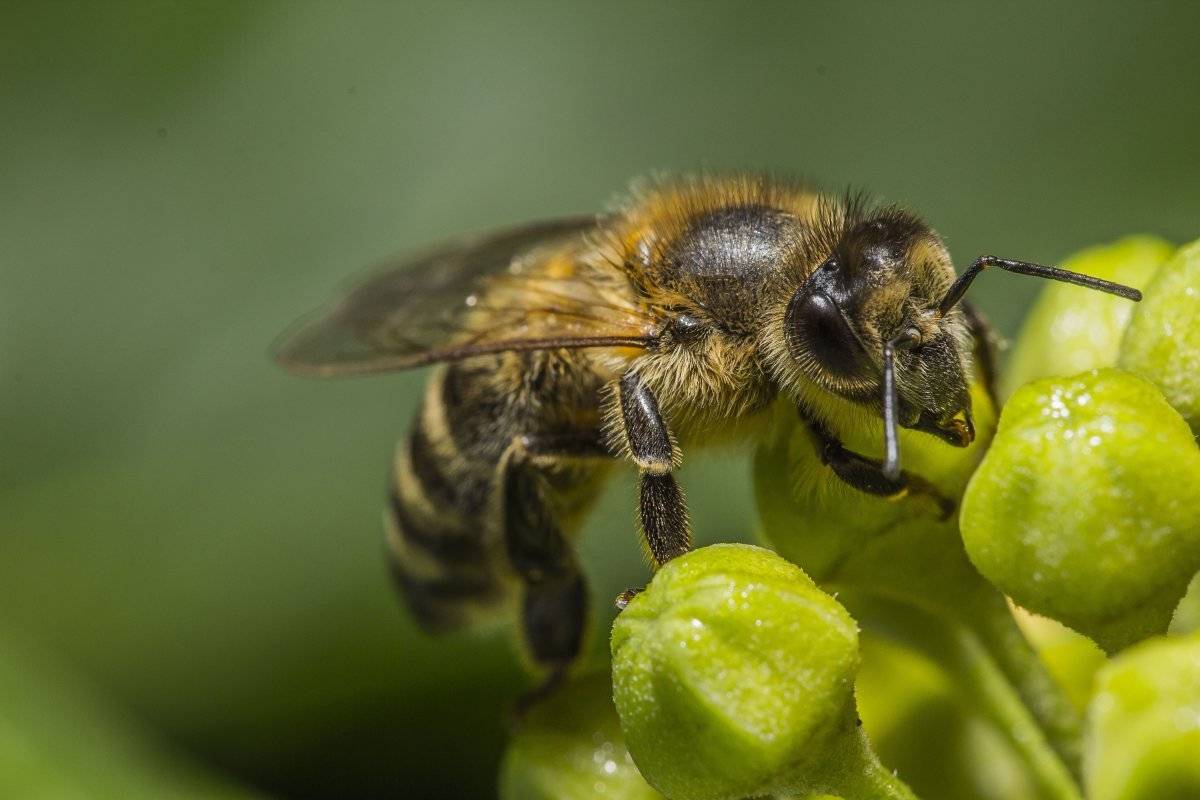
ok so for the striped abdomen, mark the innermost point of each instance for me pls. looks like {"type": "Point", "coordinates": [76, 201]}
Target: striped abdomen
{"type": "Point", "coordinates": [446, 514]}
{"type": "Point", "coordinates": [440, 535]}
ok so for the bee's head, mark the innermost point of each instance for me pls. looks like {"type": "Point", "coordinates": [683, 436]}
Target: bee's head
{"type": "Point", "coordinates": [882, 283]}
{"type": "Point", "coordinates": [878, 322]}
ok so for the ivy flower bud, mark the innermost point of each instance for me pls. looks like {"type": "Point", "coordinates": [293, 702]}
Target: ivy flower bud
{"type": "Point", "coordinates": [1162, 342]}
{"type": "Point", "coordinates": [1087, 506]}
{"type": "Point", "coordinates": [1144, 739]}
{"type": "Point", "coordinates": [1071, 329]}
{"type": "Point", "coordinates": [733, 675]}
{"type": "Point", "coordinates": [569, 747]}
{"type": "Point", "coordinates": [815, 519]}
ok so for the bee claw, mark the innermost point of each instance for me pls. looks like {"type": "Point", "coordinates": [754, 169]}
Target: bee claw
{"type": "Point", "coordinates": [624, 597]}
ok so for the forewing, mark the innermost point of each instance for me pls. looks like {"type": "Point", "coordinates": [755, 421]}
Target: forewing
{"type": "Point", "coordinates": [472, 296]}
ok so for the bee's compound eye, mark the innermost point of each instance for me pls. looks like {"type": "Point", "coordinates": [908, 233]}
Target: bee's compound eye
{"type": "Point", "coordinates": [817, 327]}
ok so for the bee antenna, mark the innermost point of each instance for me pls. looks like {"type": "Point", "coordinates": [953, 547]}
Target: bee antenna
{"type": "Point", "coordinates": [891, 409]}
{"type": "Point", "coordinates": [959, 287]}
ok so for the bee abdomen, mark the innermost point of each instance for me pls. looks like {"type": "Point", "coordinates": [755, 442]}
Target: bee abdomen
{"type": "Point", "coordinates": [440, 535]}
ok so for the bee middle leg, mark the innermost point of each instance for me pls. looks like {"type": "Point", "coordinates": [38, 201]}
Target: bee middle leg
{"type": "Point", "coordinates": [554, 602]}
{"type": "Point", "coordinates": [866, 474]}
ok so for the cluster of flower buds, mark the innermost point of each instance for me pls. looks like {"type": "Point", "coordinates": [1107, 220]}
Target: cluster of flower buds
{"type": "Point", "coordinates": [1087, 506]}
{"type": "Point", "coordinates": [733, 675]}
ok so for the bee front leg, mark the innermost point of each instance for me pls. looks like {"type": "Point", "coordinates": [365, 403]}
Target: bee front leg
{"type": "Point", "coordinates": [866, 474]}
{"type": "Point", "coordinates": [662, 511]}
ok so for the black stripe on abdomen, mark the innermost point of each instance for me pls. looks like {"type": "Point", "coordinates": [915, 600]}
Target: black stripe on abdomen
{"type": "Point", "coordinates": [440, 603]}
{"type": "Point", "coordinates": [437, 507]}
{"type": "Point", "coordinates": [439, 540]}
{"type": "Point", "coordinates": [436, 487]}
{"type": "Point", "coordinates": [442, 573]}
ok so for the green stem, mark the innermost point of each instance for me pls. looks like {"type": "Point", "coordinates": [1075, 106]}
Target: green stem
{"type": "Point", "coordinates": [850, 770]}
{"type": "Point", "coordinates": [925, 568]}
{"type": "Point", "coordinates": [998, 634]}
{"type": "Point", "coordinates": [865, 778]}
{"type": "Point", "coordinates": [998, 699]}
{"type": "Point", "coordinates": [957, 648]}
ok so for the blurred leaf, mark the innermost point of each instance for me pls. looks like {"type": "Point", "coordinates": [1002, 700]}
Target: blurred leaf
{"type": "Point", "coordinates": [57, 740]}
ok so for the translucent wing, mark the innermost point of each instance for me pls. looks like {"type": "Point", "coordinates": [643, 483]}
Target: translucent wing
{"type": "Point", "coordinates": [485, 294]}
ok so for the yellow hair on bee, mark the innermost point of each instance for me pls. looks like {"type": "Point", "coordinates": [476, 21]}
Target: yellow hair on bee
{"type": "Point", "coordinates": [707, 310]}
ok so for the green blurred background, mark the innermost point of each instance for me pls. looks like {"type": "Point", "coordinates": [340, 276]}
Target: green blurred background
{"type": "Point", "coordinates": [190, 540]}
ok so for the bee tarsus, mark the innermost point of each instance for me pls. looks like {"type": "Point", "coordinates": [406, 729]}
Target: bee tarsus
{"type": "Point", "coordinates": [663, 516]}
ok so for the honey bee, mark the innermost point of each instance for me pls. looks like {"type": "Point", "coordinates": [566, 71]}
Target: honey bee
{"type": "Point", "coordinates": [567, 347]}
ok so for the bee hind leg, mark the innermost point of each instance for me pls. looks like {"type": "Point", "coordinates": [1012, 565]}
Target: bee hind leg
{"type": "Point", "coordinates": [553, 623]}
{"type": "Point", "coordinates": [866, 474]}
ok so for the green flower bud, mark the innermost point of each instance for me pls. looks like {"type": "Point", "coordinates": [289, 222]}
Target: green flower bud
{"type": "Point", "coordinates": [733, 675]}
{"type": "Point", "coordinates": [1162, 343]}
{"type": "Point", "coordinates": [818, 521]}
{"type": "Point", "coordinates": [1071, 329]}
{"type": "Point", "coordinates": [1144, 741]}
{"type": "Point", "coordinates": [1087, 506]}
{"type": "Point", "coordinates": [570, 747]}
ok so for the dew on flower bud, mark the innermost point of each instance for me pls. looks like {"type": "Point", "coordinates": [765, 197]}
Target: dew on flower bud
{"type": "Point", "coordinates": [762, 680]}
{"type": "Point", "coordinates": [1069, 514]}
